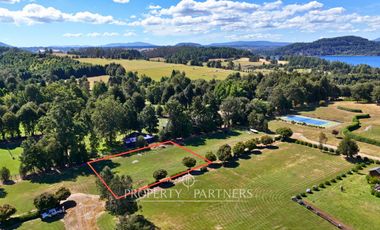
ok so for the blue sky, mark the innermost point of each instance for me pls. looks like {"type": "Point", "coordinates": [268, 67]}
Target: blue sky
{"type": "Point", "coordinates": [164, 22]}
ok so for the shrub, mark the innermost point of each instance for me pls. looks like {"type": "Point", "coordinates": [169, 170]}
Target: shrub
{"type": "Point", "coordinates": [339, 178]}
{"type": "Point", "coordinates": [349, 109]}
{"type": "Point", "coordinates": [315, 188]}
{"type": "Point", "coordinates": [266, 140]}
{"type": "Point", "coordinates": [328, 183]}
{"type": "Point", "coordinates": [322, 185]}
{"type": "Point", "coordinates": [310, 144]}
{"type": "Point", "coordinates": [160, 174]}
{"type": "Point", "coordinates": [5, 174]}
{"type": "Point", "coordinates": [315, 146]}
{"type": "Point", "coordinates": [303, 194]}
{"type": "Point", "coordinates": [189, 162]}
{"type": "Point", "coordinates": [238, 149]}
{"type": "Point", "coordinates": [224, 153]}
{"type": "Point", "coordinates": [333, 180]}
{"type": "Point", "coordinates": [325, 148]}
{"type": "Point", "coordinates": [211, 156]}
{"type": "Point", "coordinates": [378, 162]}
{"type": "Point", "coordinates": [331, 150]}
{"type": "Point", "coordinates": [298, 197]}
{"type": "Point", "coordinates": [203, 169]}
{"type": "Point", "coordinates": [250, 144]}
{"type": "Point", "coordinates": [285, 133]}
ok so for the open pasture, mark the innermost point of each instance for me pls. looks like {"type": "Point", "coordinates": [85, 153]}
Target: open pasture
{"type": "Point", "coordinates": [355, 206]}
{"type": "Point", "coordinates": [157, 70]}
{"type": "Point", "coordinates": [273, 177]}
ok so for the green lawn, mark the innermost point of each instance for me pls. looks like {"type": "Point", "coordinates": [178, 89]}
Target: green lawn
{"type": "Point", "coordinates": [355, 206]}
{"type": "Point", "coordinates": [10, 159]}
{"type": "Point", "coordinates": [371, 131]}
{"type": "Point", "coordinates": [41, 225]}
{"type": "Point", "coordinates": [21, 194]}
{"type": "Point", "coordinates": [156, 70]}
{"type": "Point", "coordinates": [106, 222]}
{"type": "Point", "coordinates": [274, 177]}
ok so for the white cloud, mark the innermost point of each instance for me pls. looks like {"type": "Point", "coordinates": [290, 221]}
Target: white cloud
{"type": "Point", "coordinates": [154, 7]}
{"type": "Point", "coordinates": [72, 35]}
{"type": "Point", "coordinates": [133, 16]}
{"type": "Point", "coordinates": [121, 1]}
{"type": "Point", "coordinates": [237, 37]}
{"type": "Point", "coordinates": [34, 14]}
{"type": "Point", "coordinates": [92, 35]}
{"type": "Point", "coordinates": [10, 1]}
{"type": "Point", "coordinates": [129, 34]}
{"type": "Point", "coordinates": [228, 16]}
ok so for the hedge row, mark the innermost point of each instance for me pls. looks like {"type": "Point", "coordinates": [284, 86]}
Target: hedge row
{"type": "Point", "coordinates": [348, 131]}
{"type": "Point", "coordinates": [349, 109]}
{"type": "Point", "coordinates": [311, 145]}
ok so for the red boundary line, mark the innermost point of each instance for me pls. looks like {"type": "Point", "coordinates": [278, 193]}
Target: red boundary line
{"type": "Point", "coordinates": [150, 185]}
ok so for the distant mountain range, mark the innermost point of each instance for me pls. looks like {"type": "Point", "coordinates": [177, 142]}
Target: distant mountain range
{"type": "Point", "coordinates": [4, 45]}
{"type": "Point", "coordinates": [131, 45]}
{"type": "Point", "coordinates": [251, 44]}
{"type": "Point", "coordinates": [348, 45]}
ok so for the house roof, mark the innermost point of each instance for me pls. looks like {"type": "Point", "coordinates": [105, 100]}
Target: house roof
{"type": "Point", "coordinates": [377, 169]}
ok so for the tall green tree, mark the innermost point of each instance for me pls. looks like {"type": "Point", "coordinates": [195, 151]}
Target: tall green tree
{"type": "Point", "coordinates": [148, 119]}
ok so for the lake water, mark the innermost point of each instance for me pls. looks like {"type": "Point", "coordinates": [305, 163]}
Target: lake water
{"type": "Point", "coordinates": [373, 61]}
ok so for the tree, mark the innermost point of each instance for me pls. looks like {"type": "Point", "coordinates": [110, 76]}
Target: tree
{"type": "Point", "coordinates": [348, 147]}
{"type": "Point", "coordinates": [201, 115]}
{"type": "Point", "coordinates": [141, 142]}
{"type": "Point", "coordinates": [285, 133]}
{"type": "Point", "coordinates": [335, 132]}
{"type": "Point", "coordinates": [362, 91]}
{"type": "Point", "coordinates": [98, 89]}
{"type": "Point", "coordinates": [108, 118]}
{"type": "Point", "coordinates": [127, 205]}
{"type": "Point", "coordinates": [224, 153]}
{"type": "Point", "coordinates": [189, 162]}
{"type": "Point", "coordinates": [376, 94]}
{"type": "Point", "coordinates": [134, 222]}
{"type": "Point", "coordinates": [45, 201]}
{"type": "Point", "coordinates": [28, 117]}
{"type": "Point", "coordinates": [5, 174]}
{"type": "Point", "coordinates": [250, 144]}
{"type": "Point", "coordinates": [322, 139]}
{"type": "Point", "coordinates": [62, 194]}
{"type": "Point", "coordinates": [266, 140]}
{"type": "Point", "coordinates": [107, 176]}
{"type": "Point", "coordinates": [179, 124]}
{"type": "Point", "coordinates": [160, 174]}
{"type": "Point", "coordinates": [238, 149]}
{"type": "Point", "coordinates": [11, 123]}
{"type": "Point", "coordinates": [258, 121]}
{"type": "Point", "coordinates": [148, 119]}
{"type": "Point", "coordinates": [6, 211]}
{"type": "Point", "coordinates": [211, 156]}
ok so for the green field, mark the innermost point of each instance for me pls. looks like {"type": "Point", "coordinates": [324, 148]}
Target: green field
{"type": "Point", "coordinates": [157, 70]}
{"type": "Point", "coordinates": [274, 177]}
{"type": "Point", "coordinates": [141, 166]}
{"type": "Point", "coordinates": [10, 159]}
{"type": "Point", "coordinates": [372, 131]}
{"type": "Point", "coordinates": [355, 206]}
{"type": "Point", "coordinates": [21, 194]}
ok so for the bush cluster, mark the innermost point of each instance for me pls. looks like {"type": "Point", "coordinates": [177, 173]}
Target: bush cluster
{"type": "Point", "coordinates": [349, 109]}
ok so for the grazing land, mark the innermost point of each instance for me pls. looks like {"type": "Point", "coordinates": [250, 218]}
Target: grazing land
{"type": "Point", "coordinates": [274, 177]}
{"type": "Point", "coordinates": [157, 70]}
{"type": "Point", "coordinates": [355, 206]}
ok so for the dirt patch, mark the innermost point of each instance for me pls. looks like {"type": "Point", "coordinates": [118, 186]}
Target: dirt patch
{"type": "Point", "coordinates": [84, 215]}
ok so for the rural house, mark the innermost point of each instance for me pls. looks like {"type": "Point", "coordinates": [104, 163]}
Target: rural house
{"type": "Point", "coordinates": [375, 172]}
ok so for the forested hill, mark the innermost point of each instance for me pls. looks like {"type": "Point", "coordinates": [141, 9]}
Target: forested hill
{"type": "Point", "coordinates": [16, 64]}
{"type": "Point", "coordinates": [184, 54]}
{"type": "Point", "coordinates": [349, 45]}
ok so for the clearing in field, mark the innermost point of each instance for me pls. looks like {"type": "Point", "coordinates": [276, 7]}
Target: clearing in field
{"type": "Point", "coordinates": [355, 206]}
{"type": "Point", "coordinates": [157, 70]}
{"type": "Point", "coordinates": [273, 178]}
{"type": "Point", "coordinates": [140, 164]}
